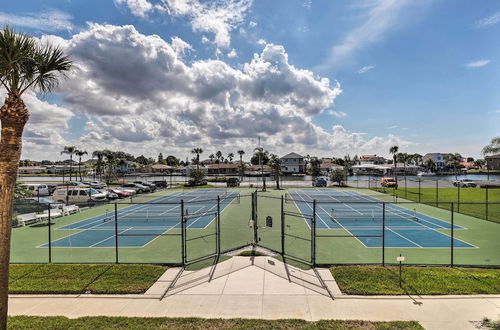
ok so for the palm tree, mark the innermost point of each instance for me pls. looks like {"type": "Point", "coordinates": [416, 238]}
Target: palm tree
{"type": "Point", "coordinates": [197, 152]}
{"type": "Point", "coordinates": [394, 151]}
{"type": "Point", "coordinates": [80, 153]}
{"type": "Point", "coordinates": [430, 164]}
{"type": "Point", "coordinates": [315, 163]}
{"type": "Point", "coordinates": [241, 153]}
{"type": "Point", "coordinates": [99, 154]}
{"type": "Point", "coordinates": [212, 157]}
{"type": "Point", "coordinates": [218, 155]}
{"type": "Point", "coordinates": [111, 160]}
{"type": "Point", "coordinates": [24, 64]}
{"type": "Point", "coordinates": [70, 150]}
{"type": "Point", "coordinates": [275, 163]}
{"type": "Point", "coordinates": [262, 154]}
{"type": "Point", "coordinates": [453, 160]}
{"type": "Point", "coordinates": [306, 160]}
{"type": "Point", "coordinates": [493, 147]}
{"type": "Point", "coordinates": [230, 156]}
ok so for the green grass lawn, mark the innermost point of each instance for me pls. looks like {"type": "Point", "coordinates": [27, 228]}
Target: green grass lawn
{"type": "Point", "coordinates": [378, 280]}
{"type": "Point", "coordinates": [449, 195]}
{"type": "Point", "coordinates": [101, 322]}
{"type": "Point", "coordinates": [52, 278]}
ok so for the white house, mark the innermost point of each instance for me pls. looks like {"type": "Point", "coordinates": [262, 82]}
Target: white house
{"type": "Point", "coordinates": [292, 163]}
{"type": "Point", "coordinates": [438, 158]}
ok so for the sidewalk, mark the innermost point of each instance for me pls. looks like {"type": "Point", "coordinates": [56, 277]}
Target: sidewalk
{"type": "Point", "coordinates": [262, 287]}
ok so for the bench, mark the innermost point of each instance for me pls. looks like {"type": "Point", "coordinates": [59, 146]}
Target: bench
{"type": "Point", "coordinates": [26, 219]}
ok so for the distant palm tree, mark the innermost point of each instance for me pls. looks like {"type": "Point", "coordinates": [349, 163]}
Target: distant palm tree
{"type": "Point", "coordinates": [99, 155]}
{"type": "Point", "coordinates": [262, 154]}
{"type": "Point", "coordinates": [218, 155]}
{"type": "Point", "coordinates": [241, 153]}
{"type": "Point", "coordinates": [306, 160]}
{"type": "Point", "coordinates": [493, 147]}
{"type": "Point", "coordinates": [197, 152]}
{"type": "Point", "coordinates": [70, 150]}
{"type": "Point", "coordinates": [25, 64]}
{"type": "Point", "coordinates": [80, 153]}
{"type": "Point", "coordinates": [212, 157]}
{"type": "Point", "coordinates": [230, 156]}
{"type": "Point", "coordinates": [453, 161]}
{"type": "Point", "coordinates": [275, 163]}
{"type": "Point", "coordinates": [394, 151]}
{"type": "Point", "coordinates": [315, 163]}
{"type": "Point", "coordinates": [430, 164]}
{"type": "Point", "coordinates": [110, 162]}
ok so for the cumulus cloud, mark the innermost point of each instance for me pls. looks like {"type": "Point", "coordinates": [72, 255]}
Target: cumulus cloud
{"type": "Point", "coordinates": [216, 17]}
{"type": "Point", "coordinates": [477, 64]}
{"type": "Point", "coordinates": [139, 8]}
{"type": "Point", "coordinates": [151, 100]}
{"type": "Point", "coordinates": [52, 20]}
{"type": "Point", "coordinates": [232, 53]}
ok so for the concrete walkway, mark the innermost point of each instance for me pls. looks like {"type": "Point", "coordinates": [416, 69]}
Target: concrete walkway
{"type": "Point", "coordinates": [262, 287]}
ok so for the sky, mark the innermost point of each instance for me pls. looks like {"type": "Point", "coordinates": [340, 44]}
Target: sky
{"type": "Point", "coordinates": [318, 77]}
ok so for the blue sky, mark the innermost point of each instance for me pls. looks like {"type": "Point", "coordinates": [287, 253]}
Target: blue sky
{"type": "Point", "coordinates": [421, 74]}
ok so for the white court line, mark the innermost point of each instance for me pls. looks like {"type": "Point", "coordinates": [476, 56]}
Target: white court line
{"type": "Point", "coordinates": [114, 235]}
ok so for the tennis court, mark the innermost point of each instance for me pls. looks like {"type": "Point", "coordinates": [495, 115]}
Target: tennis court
{"type": "Point", "coordinates": [362, 216]}
{"type": "Point", "coordinates": [139, 224]}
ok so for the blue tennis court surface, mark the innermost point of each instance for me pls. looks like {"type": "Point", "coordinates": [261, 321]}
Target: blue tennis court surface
{"type": "Point", "coordinates": [403, 227]}
{"type": "Point", "coordinates": [139, 224]}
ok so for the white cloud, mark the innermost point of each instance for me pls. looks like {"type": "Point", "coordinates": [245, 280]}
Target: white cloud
{"type": "Point", "coordinates": [252, 24]}
{"type": "Point", "coordinates": [153, 101]}
{"type": "Point", "coordinates": [139, 8]}
{"type": "Point", "coordinates": [339, 114]}
{"type": "Point", "coordinates": [477, 64]}
{"type": "Point", "coordinates": [496, 111]}
{"type": "Point", "coordinates": [261, 42]}
{"type": "Point", "coordinates": [217, 17]}
{"type": "Point", "coordinates": [53, 20]}
{"type": "Point", "coordinates": [488, 21]}
{"type": "Point", "coordinates": [366, 68]}
{"type": "Point", "coordinates": [180, 46]}
{"type": "Point", "coordinates": [307, 4]}
{"type": "Point", "coordinates": [232, 53]}
{"type": "Point", "coordinates": [379, 17]}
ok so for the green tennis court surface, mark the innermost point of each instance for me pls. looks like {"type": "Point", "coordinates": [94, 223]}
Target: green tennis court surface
{"type": "Point", "coordinates": [161, 240]}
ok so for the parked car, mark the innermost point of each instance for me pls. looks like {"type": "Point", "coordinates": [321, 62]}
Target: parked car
{"type": "Point", "coordinates": [44, 201]}
{"type": "Point", "coordinates": [78, 195]}
{"type": "Point", "coordinates": [139, 188]}
{"type": "Point", "coordinates": [151, 186]}
{"type": "Point", "coordinates": [96, 184]}
{"type": "Point", "coordinates": [160, 184]}
{"type": "Point", "coordinates": [71, 184]}
{"type": "Point", "coordinates": [109, 194]}
{"type": "Point", "coordinates": [122, 193]}
{"type": "Point", "coordinates": [233, 182]}
{"type": "Point", "coordinates": [319, 182]}
{"type": "Point", "coordinates": [37, 189]}
{"type": "Point", "coordinates": [388, 183]}
{"type": "Point", "coordinates": [465, 183]}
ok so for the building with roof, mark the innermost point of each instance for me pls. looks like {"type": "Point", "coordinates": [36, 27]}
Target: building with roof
{"type": "Point", "coordinates": [293, 163]}
{"type": "Point", "coordinates": [493, 162]}
{"type": "Point", "coordinates": [440, 159]}
{"type": "Point", "coordinates": [371, 159]}
{"type": "Point", "coordinates": [222, 168]}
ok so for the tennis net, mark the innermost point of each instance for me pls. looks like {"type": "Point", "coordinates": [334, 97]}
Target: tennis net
{"type": "Point", "coordinates": [291, 198]}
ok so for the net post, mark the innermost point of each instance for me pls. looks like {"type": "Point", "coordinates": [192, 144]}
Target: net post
{"type": "Point", "coordinates": [383, 234]}
{"type": "Point", "coordinates": [50, 233]}
{"type": "Point", "coordinates": [183, 235]}
{"type": "Point", "coordinates": [282, 227]}
{"type": "Point", "coordinates": [313, 235]}
{"type": "Point", "coordinates": [116, 233]}
{"type": "Point", "coordinates": [452, 234]}
{"type": "Point", "coordinates": [217, 227]}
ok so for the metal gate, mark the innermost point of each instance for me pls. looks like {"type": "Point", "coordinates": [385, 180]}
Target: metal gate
{"type": "Point", "coordinates": [298, 241]}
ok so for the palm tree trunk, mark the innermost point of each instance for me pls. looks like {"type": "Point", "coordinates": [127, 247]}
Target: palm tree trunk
{"type": "Point", "coordinates": [13, 116]}
{"type": "Point", "coordinates": [79, 169]}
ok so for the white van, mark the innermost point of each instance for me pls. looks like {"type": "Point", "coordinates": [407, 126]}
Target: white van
{"type": "Point", "coordinates": [37, 189]}
{"type": "Point", "coordinates": [78, 195]}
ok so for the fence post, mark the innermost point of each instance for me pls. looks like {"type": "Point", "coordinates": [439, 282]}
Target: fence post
{"type": "Point", "coordinates": [383, 234]}
{"type": "Point", "coordinates": [282, 227]}
{"type": "Point", "coordinates": [183, 234]}
{"type": "Point", "coordinates": [437, 193]}
{"type": "Point", "coordinates": [452, 234]}
{"type": "Point", "coordinates": [116, 233]}
{"type": "Point", "coordinates": [255, 224]}
{"type": "Point", "coordinates": [486, 209]}
{"type": "Point", "coordinates": [217, 227]}
{"type": "Point", "coordinates": [458, 198]}
{"type": "Point", "coordinates": [419, 190]}
{"type": "Point", "coordinates": [50, 238]}
{"type": "Point", "coordinates": [313, 235]}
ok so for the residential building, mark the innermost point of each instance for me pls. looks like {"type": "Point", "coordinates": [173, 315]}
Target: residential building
{"type": "Point", "coordinates": [327, 166]}
{"type": "Point", "coordinates": [371, 159]}
{"type": "Point", "coordinates": [292, 163]}
{"type": "Point", "coordinates": [222, 168]}
{"type": "Point", "coordinates": [439, 159]}
{"type": "Point", "coordinates": [493, 162]}
{"type": "Point", "coordinates": [31, 169]}
{"type": "Point", "coordinates": [157, 168]}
